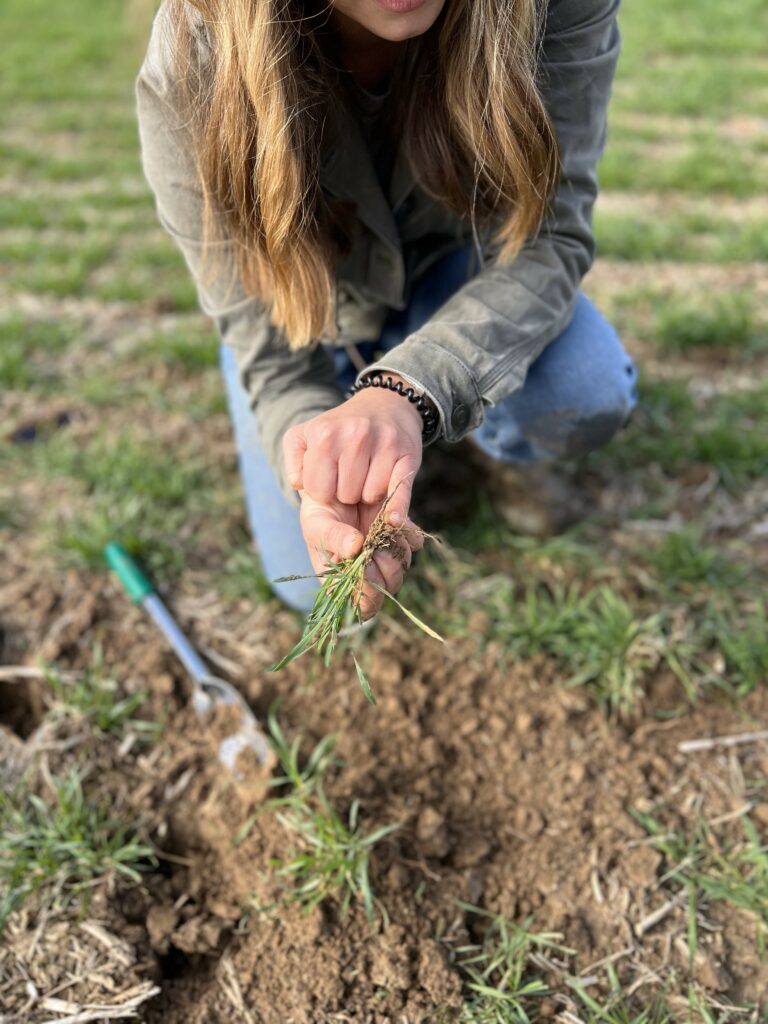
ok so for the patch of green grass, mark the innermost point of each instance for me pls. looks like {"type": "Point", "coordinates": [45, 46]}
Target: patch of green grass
{"type": "Point", "coordinates": [135, 492]}
{"type": "Point", "coordinates": [15, 370]}
{"type": "Point", "coordinates": [332, 862]}
{"type": "Point", "coordinates": [242, 575]}
{"type": "Point", "coordinates": [97, 698]}
{"type": "Point", "coordinates": [684, 237]}
{"type": "Point", "coordinates": [124, 468]}
{"type": "Point", "coordinates": [60, 846]}
{"type": "Point", "coordinates": [30, 163]}
{"type": "Point", "coordinates": [485, 531]}
{"type": "Point", "coordinates": [671, 430]}
{"type": "Point", "coordinates": [141, 283]}
{"type": "Point", "coordinates": [9, 512]}
{"type": "Point", "coordinates": [727, 322]}
{"type": "Point", "coordinates": [55, 268]}
{"type": "Point", "coordinates": [69, 57]}
{"type": "Point", "coordinates": [598, 639]}
{"type": "Point", "coordinates": [704, 868]}
{"type": "Point", "coordinates": [146, 532]}
{"type": "Point", "coordinates": [738, 451]}
{"type": "Point", "coordinates": [688, 28]}
{"type": "Point", "coordinates": [751, 404]}
{"type": "Point", "coordinates": [110, 210]}
{"type": "Point", "coordinates": [109, 390]}
{"type": "Point", "coordinates": [617, 1008]}
{"type": "Point", "coordinates": [742, 640]}
{"type": "Point", "coordinates": [299, 782]}
{"type": "Point", "coordinates": [694, 165]}
{"type": "Point", "coordinates": [683, 561]}
{"type": "Point", "coordinates": [684, 85]}
{"type": "Point", "coordinates": [24, 212]}
{"type": "Point", "coordinates": [42, 335]}
{"type": "Point", "coordinates": [680, 237]}
{"type": "Point", "coordinates": [186, 349]}
{"type": "Point", "coordinates": [25, 350]}
{"type": "Point", "coordinates": [497, 972]}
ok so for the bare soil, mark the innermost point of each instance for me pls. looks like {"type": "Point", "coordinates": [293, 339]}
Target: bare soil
{"type": "Point", "coordinates": [511, 792]}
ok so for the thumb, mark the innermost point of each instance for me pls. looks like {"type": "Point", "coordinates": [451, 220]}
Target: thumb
{"type": "Point", "coordinates": [324, 532]}
{"type": "Point", "coordinates": [294, 447]}
{"type": "Point", "coordinates": [400, 489]}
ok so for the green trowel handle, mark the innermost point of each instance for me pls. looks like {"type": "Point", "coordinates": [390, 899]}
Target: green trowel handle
{"type": "Point", "coordinates": [128, 572]}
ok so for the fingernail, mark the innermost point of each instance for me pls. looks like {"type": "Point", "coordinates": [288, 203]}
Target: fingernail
{"type": "Point", "coordinates": [396, 519]}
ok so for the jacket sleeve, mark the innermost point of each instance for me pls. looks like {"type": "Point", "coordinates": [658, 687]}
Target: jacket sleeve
{"type": "Point", "coordinates": [286, 386]}
{"type": "Point", "coordinates": [477, 347]}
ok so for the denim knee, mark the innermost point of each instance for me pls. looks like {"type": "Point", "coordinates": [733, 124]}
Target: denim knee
{"type": "Point", "coordinates": [595, 428]}
{"type": "Point", "coordinates": [577, 395]}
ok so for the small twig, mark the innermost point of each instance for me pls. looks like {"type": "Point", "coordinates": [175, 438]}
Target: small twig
{"type": "Point", "coordinates": [19, 673]}
{"type": "Point", "coordinates": [735, 740]}
{"type": "Point", "coordinates": [654, 918]}
{"type": "Point", "coordinates": [721, 819]}
{"type": "Point", "coordinates": [231, 986]}
{"type": "Point", "coordinates": [609, 959]}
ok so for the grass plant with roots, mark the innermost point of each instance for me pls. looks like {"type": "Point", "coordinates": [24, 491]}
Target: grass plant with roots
{"type": "Point", "coordinates": [338, 599]}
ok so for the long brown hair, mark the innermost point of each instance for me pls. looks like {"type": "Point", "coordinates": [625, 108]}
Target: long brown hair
{"type": "Point", "coordinates": [474, 129]}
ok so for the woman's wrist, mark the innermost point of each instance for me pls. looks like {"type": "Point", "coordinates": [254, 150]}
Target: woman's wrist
{"type": "Point", "coordinates": [382, 381]}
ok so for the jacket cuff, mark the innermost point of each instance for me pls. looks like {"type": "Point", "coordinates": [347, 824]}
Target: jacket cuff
{"type": "Point", "coordinates": [442, 377]}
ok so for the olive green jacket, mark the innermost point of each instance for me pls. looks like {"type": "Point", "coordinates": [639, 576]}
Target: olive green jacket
{"type": "Point", "coordinates": [476, 349]}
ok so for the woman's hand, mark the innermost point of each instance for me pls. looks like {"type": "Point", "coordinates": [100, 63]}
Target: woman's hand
{"type": "Point", "coordinates": [339, 530]}
{"type": "Point", "coordinates": [344, 463]}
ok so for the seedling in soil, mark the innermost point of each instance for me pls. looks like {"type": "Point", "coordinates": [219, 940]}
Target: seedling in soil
{"type": "Point", "coordinates": [710, 868]}
{"type": "Point", "coordinates": [335, 856]}
{"type": "Point", "coordinates": [497, 971]}
{"type": "Point", "coordinates": [617, 1010]}
{"type": "Point", "coordinates": [95, 697]}
{"type": "Point", "coordinates": [743, 641]}
{"type": "Point", "coordinates": [62, 846]}
{"type": "Point", "coordinates": [338, 599]}
{"type": "Point", "coordinates": [300, 783]}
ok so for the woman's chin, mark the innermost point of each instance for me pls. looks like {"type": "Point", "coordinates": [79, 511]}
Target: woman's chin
{"type": "Point", "coordinates": [390, 19]}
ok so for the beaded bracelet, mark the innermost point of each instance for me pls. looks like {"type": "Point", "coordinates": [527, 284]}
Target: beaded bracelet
{"type": "Point", "coordinates": [429, 416]}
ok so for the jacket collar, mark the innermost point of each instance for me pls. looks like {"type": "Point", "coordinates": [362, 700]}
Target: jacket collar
{"type": "Point", "coordinates": [347, 172]}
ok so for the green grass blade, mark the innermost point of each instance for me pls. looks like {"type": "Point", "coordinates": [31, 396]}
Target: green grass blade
{"type": "Point", "coordinates": [364, 682]}
{"type": "Point", "coordinates": [414, 618]}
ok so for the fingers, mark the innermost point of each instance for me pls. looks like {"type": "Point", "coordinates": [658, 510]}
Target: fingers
{"type": "Point", "coordinates": [294, 447]}
{"type": "Point", "coordinates": [386, 571]}
{"type": "Point", "coordinates": [320, 478]}
{"type": "Point", "coordinates": [372, 599]}
{"type": "Point", "coordinates": [413, 535]}
{"type": "Point", "coordinates": [391, 569]}
{"type": "Point", "coordinates": [353, 470]}
{"type": "Point", "coordinates": [329, 537]}
{"type": "Point", "coordinates": [400, 488]}
{"type": "Point", "coordinates": [375, 488]}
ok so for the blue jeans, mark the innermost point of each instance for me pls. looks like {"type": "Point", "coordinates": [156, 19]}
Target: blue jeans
{"type": "Point", "coordinates": [576, 396]}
